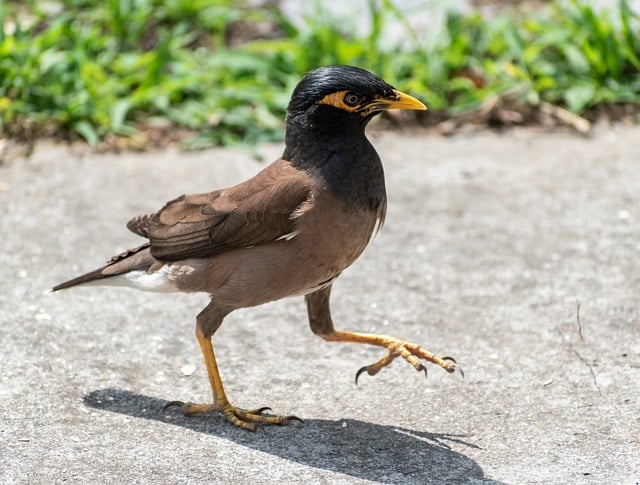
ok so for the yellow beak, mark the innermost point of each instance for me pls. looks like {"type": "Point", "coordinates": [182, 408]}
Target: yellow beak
{"type": "Point", "coordinates": [404, 101]}
{"type": "Point", "coordinates": [399, 101]}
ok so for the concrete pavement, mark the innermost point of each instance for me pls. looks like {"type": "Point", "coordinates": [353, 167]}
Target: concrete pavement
{"type": "Point", "coordinates": [491, 242]}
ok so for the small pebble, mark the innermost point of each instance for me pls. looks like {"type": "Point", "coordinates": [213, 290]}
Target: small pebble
{"type": "Point", "coordinates": [42, 317]}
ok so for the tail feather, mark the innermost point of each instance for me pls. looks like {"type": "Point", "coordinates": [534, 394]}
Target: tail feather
{"type": "Point", "coordinates": [130, 260]}
{"type": "Point", "coordinates": [80, 280]}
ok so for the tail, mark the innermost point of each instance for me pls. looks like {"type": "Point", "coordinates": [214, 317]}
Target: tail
{"type": "Point", "coordinates": [80, 280]}
{"type": "Point", "coordinates": [130, 260]}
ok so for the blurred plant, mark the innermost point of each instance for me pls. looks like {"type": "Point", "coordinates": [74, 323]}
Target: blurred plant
{"type": "Point", "coordinates": [103, 68]}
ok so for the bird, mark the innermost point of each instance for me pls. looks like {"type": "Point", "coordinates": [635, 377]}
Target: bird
{"type": "Point", "coordinates": [290, 230]}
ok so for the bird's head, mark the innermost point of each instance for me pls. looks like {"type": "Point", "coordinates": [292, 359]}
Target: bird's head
{"type": "Point", "coordinates": [334, 96]}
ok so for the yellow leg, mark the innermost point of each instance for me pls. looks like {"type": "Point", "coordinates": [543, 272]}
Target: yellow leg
{"type": "Point", "coordinates": [410, 352]}
{"type": "Point", "coordinates": [322, 325]}
{"type": "Point", "coordinates": [247, 419]}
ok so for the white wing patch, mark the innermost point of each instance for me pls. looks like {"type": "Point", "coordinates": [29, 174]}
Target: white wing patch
{"type": "Point", "coordinates": [288, 237]}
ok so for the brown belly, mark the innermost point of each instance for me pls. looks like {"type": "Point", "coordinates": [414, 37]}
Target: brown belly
{"type": "Point", "coordinates": [328, 240]}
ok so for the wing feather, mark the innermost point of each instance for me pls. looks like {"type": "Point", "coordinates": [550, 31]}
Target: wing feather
{"type": "Point", "coordinates": [257, 211]}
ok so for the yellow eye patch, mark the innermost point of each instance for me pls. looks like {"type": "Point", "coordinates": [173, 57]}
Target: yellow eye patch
{"type": "Point", "coordinates": [337, 101]}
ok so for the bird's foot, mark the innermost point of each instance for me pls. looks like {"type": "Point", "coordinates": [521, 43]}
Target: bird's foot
{"type": "Point", "coordinates": [413, 354]}
{"type": "Point", "coordinates": [244, 418]}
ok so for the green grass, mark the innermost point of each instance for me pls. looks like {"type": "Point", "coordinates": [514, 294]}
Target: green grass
{"type": "Point", "coordinates": [94, 69]}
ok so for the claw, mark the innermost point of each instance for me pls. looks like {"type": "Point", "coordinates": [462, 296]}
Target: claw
{"type": "Point", "coordinates": [452, 368]}
{"type": "Point", "coordinates": [456, 367]}
{"type": "Point", "coordinates": [360, 371]}
{"type": "Point", "coordinates": [423, 368]}
{"type": "Point", "coordinates": [261, 411]}
{"type": "Point", "coordinates": [171, 404]}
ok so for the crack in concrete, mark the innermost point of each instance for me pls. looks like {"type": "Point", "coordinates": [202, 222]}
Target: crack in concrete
{"type": "Point", "coordinates": [594, 377]}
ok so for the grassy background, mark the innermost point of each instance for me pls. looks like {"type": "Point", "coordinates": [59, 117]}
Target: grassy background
{"type": "Point", "coordinates": [222, 74]}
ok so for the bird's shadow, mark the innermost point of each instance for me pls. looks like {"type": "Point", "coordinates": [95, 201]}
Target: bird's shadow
{"type": "Point", "coordinates": [351, 447]}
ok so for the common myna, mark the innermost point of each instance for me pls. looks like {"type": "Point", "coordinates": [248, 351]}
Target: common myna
{"type": "Point", "coordinates": [289, 230]}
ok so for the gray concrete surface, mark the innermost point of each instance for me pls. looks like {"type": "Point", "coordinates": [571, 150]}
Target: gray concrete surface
{"type": "Point", "coordinates": [490, 241]}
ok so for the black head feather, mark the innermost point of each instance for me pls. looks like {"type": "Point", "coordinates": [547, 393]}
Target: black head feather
{"type": "Point", "coordinates": [331, 141]}
{"type": "Point", "coordinates": [320, 82]}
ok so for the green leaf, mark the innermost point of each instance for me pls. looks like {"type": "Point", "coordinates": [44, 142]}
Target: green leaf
{"type": "Point", "coordinates": [119, 113]}
{"type": "Point", "coordinates": [579, 96]}
{"type": "Point", "coordinates": [87, 131]}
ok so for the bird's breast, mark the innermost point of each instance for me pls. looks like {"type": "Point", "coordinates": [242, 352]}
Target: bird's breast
{"type": "Point", "coordinates": [334, 231]}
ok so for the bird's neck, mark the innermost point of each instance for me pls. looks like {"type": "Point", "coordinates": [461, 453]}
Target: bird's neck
{"type": "Point", "coordinates": [344, 161]}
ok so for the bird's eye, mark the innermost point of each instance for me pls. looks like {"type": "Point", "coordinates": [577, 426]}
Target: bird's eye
{"type": "Point", "coordinates": [351, 99]}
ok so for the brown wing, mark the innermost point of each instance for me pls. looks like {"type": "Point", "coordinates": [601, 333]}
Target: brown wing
{"type": "Point", "coordinates": [259, 210]}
